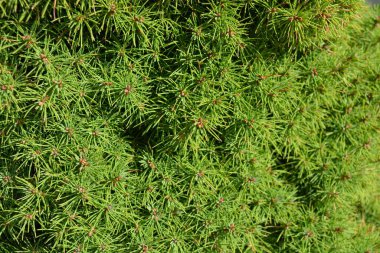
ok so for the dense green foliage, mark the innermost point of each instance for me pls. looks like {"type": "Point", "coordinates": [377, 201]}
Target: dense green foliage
{"type": "Point", "coordinates": [189, 126]}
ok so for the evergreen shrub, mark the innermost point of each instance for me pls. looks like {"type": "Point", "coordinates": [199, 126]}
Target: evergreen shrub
{"type": "Point", "coordinates": [189, 126]}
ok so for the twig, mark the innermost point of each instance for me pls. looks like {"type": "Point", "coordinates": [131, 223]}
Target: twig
{"type": "Point", "coordinates": [54, 8]}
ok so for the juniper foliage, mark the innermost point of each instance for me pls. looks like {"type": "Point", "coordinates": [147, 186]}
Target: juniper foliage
{"type": "Point", "coordinates": [189, 126]}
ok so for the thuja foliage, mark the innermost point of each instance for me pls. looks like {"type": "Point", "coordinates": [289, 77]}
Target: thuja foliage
{"type": "Point", "coordinates": [189, 126]}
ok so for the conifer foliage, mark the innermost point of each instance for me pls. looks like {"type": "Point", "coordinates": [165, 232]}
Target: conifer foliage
{"type": "Point", "coordinates": [189, 126]}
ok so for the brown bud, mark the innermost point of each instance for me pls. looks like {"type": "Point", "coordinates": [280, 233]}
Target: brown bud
{"type": "Point", "coordinates": [262, 77]}
{"type": "Point", "coordinates": [155, 215]}
{"type": "Point", "coordinates": [43, 101]}
{"type": "Point", "coordinates": [112, 10]}
{"type": "Point", "coordinates": [347, 126]}
{"type": "Point", "coordinates": [200, 123]}
{"type": "Point", "coordinates": [80, 18]}
{"type": "Point", "coordinates": [324, 15]}
{"type": "Point", "coordinates": [334, 194]}
{"type": "Point", "coordinates": [230, 33]}
{"type": "Point", "coordinates": [54, 152]}
{"type": "Point", "coordinates": [44, 58]}
{"type": "Point", "coordinates": [29, 43]}
{"type": "Point", "coordinates": [151, 165]}
{"type": "Point", "coordinates": [242, 45]}
{"type": "Point", "coordinates": [26, 37]}
{"type": "Point", "coordinates": [182, 93]}
{"type": "Point", "coordinates": [59, 83]}
{"type": "Point", "coordinates": [216, 101]}
{"type": "Point", "coordinates": [309, 234]}
{"type": "Point", "coordinates": [201, 80]}
{"type": "Point", "coordinates": [107, 83]}
{"type": "Point", "coordinates": [73, 217]}
{"type": "Point", "coordinates": [6, 179]}
{"type": "Point", "coordinates": [33, 191]}
{"type": "Point", "coordinates": [137, 19]}
{"type": "Point", "coordinates": [77, 250]}
{"type": "Point", "coordinates": [295, 18]}
{"type": "Point", "coordinates": [128, 89]}
{"type": "Point", "coordinates": [103, 247]}
{"type": "Point", "coordinates": [211, 55]}
{"type": "Point", "coordinates": [28, 216]}
{"type": "Point", "coordinates": [273, 10]}
{"type": "Point", "coordinates": [201, 173]}
{"type": "Point", "coordinates": [314, 72]}
{"type": "Point", "coordinates": [92, 232]}
{"type": "Point", "coordinates": [198, 32]}
{"type": "Point", "coordinates": [83, 162]}
{"type": "Point", "coordinates": [69, 131]}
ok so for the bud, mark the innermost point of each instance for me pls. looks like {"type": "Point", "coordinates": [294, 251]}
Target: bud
{"type": "Point", "coordinates": [92, 232]}
{"type": "Point", "coordinates": [29, 216]}
{"type": "Point", "coordinates": [128, 89]}
{"type": "Point", "coordinates": [200, 123]}
{"type": "Point", "coordinates": [44, 58]}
